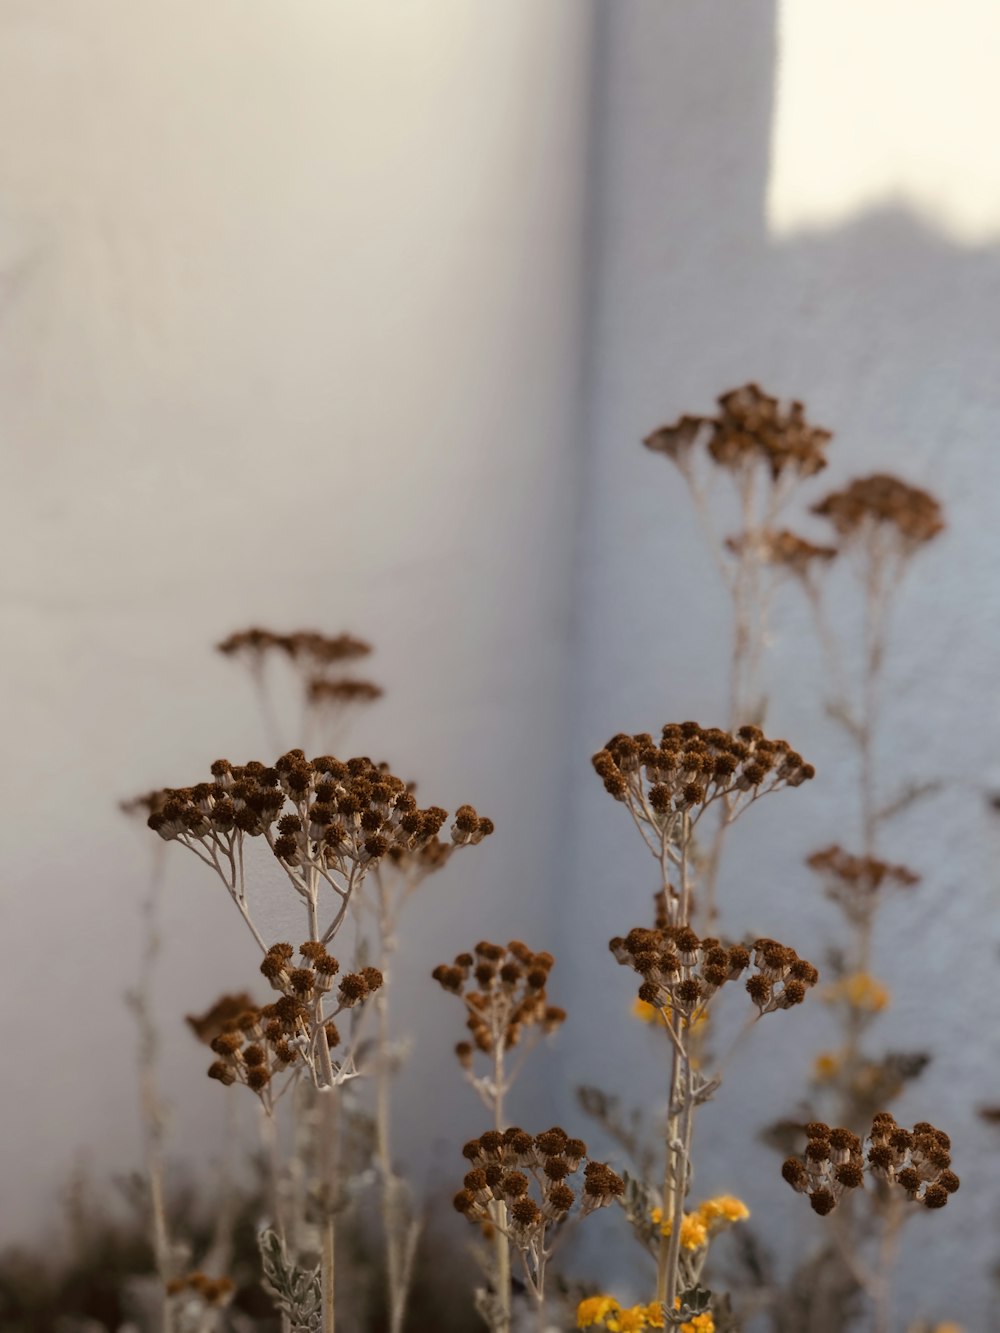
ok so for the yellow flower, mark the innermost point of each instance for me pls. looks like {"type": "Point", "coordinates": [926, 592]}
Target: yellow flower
{"type": "Point", "coordinates": [701, 1323]}
{"type": "Point", "coordinates": [607, 1313]}
{"type": "Point", "coordinates": [724, 1208]}
{"type": "Point", "coordinates": [694, 1228]}
{"type": "Point", "coordinates": [694, 1233]}
{"type": "Point", "coordinates": [826, 1065]}
{"type": "Point", "coordinates": [648, 1013]}
{"type": "Point", "coordinates": [628, 1321]}
{"type": "Point", "coordinates": [860, 991]}
{"type": "Point", "coordinates": [594, 1310]}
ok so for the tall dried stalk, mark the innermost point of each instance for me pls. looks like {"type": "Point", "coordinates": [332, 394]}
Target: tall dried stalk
{"type": "Point", "coordinates": [400, 1229]}
{"type": "Point", "coordinates": [153, 1111]}
{"type": "Point", "coordinates": [765, 450]}
{"type": "Point", "coordinates": [668, 788]}
{"type": "Point", "coordinates": [881, 524]}
{"type": "Point", "coordinates": [503, 989]}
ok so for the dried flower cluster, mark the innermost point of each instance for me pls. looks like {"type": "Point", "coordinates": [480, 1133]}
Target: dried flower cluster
{"type": "Point", "coordinates": [667, 787]}
{"type": "Point", "coordinates": [691, 767]}
{"type": "Point", "coordinates": [319, 660]}
{"type": "Point", "coordinates": [854, 882]}
{"type": "Point", "coordinates": [531, 1176]}
{"type": "Point", "coordinates": [883, 502]}
{"type": "Point", "coordinates": [256, 1043]}
{"type": "Point", "coordinates": [217, 1018]}
{"type": "Point", "coordinates": [303, 646]}
{"type": "Point", "coordinates": [681, 972]}
{"type": "Point", "coordinates": [314, 975]}
{"type": "Point", "coordinates": [324, 819]}
{"type": "Point", "coordinates": [763, 451]}
{"type": "Point", "coordinates": [504, 993]}
{"type": "Point", "coordinates": [750, 428]}
{"type": "Point", "coordinates": [782, 549]}
{"type": "Point", "coordinates": [918, 1161]}
{"type": "Point", "coordinates": [347, 690]}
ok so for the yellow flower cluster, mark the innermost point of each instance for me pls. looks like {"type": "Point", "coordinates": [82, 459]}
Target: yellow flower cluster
{"type": "Point", "coordinates": [605, 1312]}
{"type": "Point", "coordinates": [697, 1229]}
{"type": "Point", "coordinates": [860, 991]}
{"type": "Point", "coordinates": [710, 1217]}
{"type": "Point", "coordinates": [648, 1013]}
{"type": "Point", "coordinates": [827, 1065]}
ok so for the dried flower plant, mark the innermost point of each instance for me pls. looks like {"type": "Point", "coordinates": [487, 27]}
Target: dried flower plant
{"type": "Point", "coordinates": [352, 835]}
{"type": "Point", "coordinates": [395, 882]}
{"type": "Point", "coordinates": [328, 697]}
{"type": "Point", "coordinates": [328, 694]}
{"type": "Point", "coordinates": [522, 1190]}
{"type": "Point", "coordinates": [169, 1257]}
{"type": "Point", "coordinates": [917, 1161]}
{"type": "Point", "coordinates": [328, 824]}
{"type": "Point", "coordinates": [505, 997]}
{"type": "Point", "coordinates": [667, 788]}
{"type": "Point", "coordinates": [880, 523]}
{"type": "Point", "coordinates": [908, 1170]}
{"type": "Point", "coordinates": [765, 450]}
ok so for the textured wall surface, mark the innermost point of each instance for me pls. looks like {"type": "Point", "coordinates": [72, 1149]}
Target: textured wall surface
{"type": "Point", "coordinates": [290, 335]}
{"type": "Point", "coordinates": [889, 331]}
{"type": "Point", "coordinates": [294, 305]}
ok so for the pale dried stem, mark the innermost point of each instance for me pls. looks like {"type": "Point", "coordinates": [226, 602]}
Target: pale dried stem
{"type": "Point", "coordinates": [895, 1216]}
{"type": "Point", "coordinates": [272, 728]}
{"type": "Point", "coordinates": [680, 1112]}
{"type": "Point", "coordinates": [499, 1208]}
{"type": "Point", "coordinates": [400, 1233]}
{"type": "Point", "coordinates": [329, 1108]}
{"type": "Point", "coordinates": [681, 1150]}
{"type": "Point", "coordinates": [150, 1100]}
{"type": "Point", "coordinates": [879, 580]}
{"type": "Point", "coordinates": [329, 1111]}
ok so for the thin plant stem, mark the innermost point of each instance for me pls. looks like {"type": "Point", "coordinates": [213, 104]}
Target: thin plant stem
{"type": "Point", "coordinates": [150, 1101]}
{"type": "Point", "coordinates": [399, 1238]}
{"type": "Point", "coordinates": [670, 1168]}
{"type": "Point", "coordinates": [501, 1242]}
{"type": "Point", "coordinates": [329, 1106]}
{"type": "Point", "coordinates": [887, 1253]}
{"type": "Point", "coordinates": [272, 728]}
{"type": "Point", "coordinates": [680, 1113]}
{"type": "Point", "coordinates": [682, 1161]}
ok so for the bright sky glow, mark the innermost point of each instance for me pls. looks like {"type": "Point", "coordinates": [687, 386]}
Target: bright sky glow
{"type": "Point", "coordinates": [888, 102]}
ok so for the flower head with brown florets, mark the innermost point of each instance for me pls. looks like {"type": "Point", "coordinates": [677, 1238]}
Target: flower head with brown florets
{"type": "Point", "coordinates": [326, 821]}
{"type": "Point", "coordinates": [917, 1162]}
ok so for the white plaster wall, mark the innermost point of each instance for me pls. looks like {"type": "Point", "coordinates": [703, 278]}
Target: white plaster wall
{"type": "Point", "coordinates": [288, 334]}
